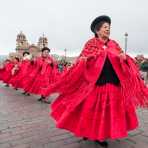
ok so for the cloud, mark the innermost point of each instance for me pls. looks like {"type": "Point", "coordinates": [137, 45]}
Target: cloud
{"type": "Point", "coordinates": [66, 23]}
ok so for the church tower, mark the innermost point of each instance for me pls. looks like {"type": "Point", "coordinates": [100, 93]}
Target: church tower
{"type": "Point", "coordinates": [42, 42]}
{"type": "Point", "coordinates": [21, 43]}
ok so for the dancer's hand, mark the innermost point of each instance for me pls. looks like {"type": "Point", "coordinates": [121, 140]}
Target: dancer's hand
{"type": "Point", "coordinates": [48, 61]}
{"type": "Point", "coordinates": [91, 57]}
{"type": "Point", "coordinates": [83, 58]}
{"type": "Point", "coordinates": [122, 56]}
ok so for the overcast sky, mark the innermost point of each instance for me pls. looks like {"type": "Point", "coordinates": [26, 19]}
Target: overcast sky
{"type": "Point", "coordinates": [66, 23]}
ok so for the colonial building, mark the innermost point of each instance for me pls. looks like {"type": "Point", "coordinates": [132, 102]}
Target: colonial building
{"type": "Point", "coordinates": [22, 45]}
{"type": "Point", "coordinates": [42, 42]}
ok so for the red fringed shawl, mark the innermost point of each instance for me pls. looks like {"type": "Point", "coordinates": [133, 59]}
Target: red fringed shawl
{"type": "Point", "coordinates": [88, 66]}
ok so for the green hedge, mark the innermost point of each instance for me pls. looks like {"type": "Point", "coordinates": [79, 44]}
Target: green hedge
{"type": "Point", "coordinates": [144, 66]}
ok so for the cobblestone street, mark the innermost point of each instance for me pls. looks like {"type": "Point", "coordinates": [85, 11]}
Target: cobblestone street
{"type": "Point", "coordinates": [25, 123]}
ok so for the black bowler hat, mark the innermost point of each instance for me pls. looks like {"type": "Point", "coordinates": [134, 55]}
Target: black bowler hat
{"type": "Point", "coordinates": [45, 48]}
{"type": "Point", "coordinates": [25, 52]}
{"type": "Point", "coordinates": [96, 21]}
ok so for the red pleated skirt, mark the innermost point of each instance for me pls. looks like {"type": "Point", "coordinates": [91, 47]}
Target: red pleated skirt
{"type": "Point", "coordinates": [102, 114]}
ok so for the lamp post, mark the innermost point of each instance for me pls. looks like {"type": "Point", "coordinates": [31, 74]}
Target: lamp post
{"type": "Point", "coordinates": [126, 39]}
{"type": "Point", "coordinates": [65, 50]}
{"type": "Point", "coordinates": [43, 41]}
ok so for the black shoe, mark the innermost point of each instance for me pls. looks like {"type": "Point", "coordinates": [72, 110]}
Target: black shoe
{"type": "Point", "coordinates": [84, 138]}
{"type": "Point", "coordinates": [24, 93]}
{"type": "Point", "coordinates": [40, 99]}
{"type": "Point", "coordinates": [47, 102]}
{"type": "Point", "coordinates": [103, 144]}
{"type": "Point", "coordinates": [27, 94]}
{"type": "Point", "coordinates": [6, 85]}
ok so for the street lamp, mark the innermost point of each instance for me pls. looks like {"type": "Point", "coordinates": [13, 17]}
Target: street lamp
{"type": "Point", "coordinates": [43, 41]}
{"type": "Point", "coordinates": [126, 38]}
{"type": "Point", "coordinates": [65, 50]}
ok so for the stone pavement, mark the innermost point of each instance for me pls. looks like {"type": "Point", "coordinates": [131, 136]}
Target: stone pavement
{"type": "Point", "coordinates": [25, 123]}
